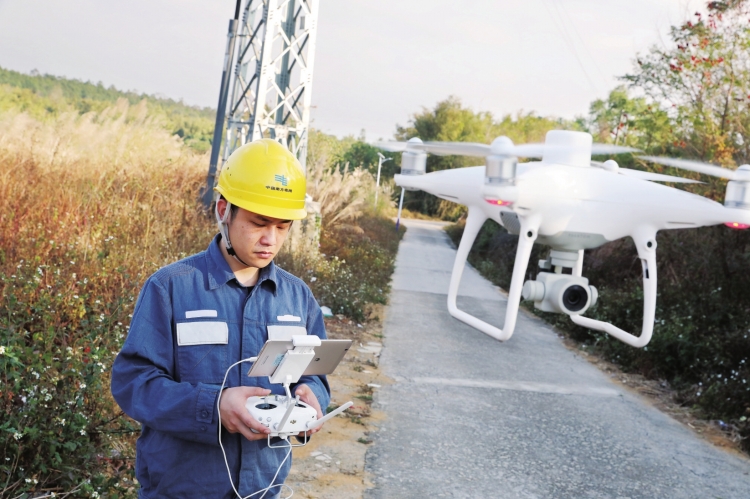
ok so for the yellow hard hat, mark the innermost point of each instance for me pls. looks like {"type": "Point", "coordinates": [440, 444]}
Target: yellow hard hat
{"type": "Point", "coordinates": [264, 177]}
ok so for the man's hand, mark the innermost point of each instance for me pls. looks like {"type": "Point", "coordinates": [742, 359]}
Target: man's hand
{"type": "Point", "coordinates": [234, 415]}
{"type": "Point", "coordinates": [307, 396]}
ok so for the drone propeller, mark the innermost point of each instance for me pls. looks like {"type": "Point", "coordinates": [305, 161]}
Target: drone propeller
{"type": "Point", "coordinates": [391, 146]}
{"type": "Point", "coordinates": [742, 173]}
{"type": "Point", "coordinates": [738, 188]}
{"type": "Point", "coordinates": [612, 166]}
{"type": "Point", "coordinates": [502, 146]}
{"type": "Point", "coordinates": [656, 177]}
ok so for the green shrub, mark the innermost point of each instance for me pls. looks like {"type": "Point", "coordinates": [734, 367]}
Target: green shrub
{"type": "Point", "coordinates": [62, 430]}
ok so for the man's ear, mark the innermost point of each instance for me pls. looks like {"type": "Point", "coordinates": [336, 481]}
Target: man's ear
{"type": "Point", "coordinates": [221, 207]}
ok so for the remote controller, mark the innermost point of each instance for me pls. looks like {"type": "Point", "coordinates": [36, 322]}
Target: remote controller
{"type": "Point", "coordinates": [285, 416]}
{"type": "Point", "coordinates": [270, 412]}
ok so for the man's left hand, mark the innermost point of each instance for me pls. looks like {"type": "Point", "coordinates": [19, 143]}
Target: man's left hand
{"type": "Point", "coordinates": [307, 396]}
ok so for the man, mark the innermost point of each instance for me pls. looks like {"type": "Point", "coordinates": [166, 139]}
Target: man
{"type": "Point", "coordinates": [196, 317]}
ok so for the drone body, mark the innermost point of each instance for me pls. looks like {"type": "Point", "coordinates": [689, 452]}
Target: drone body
{"type": "Point", "coordinates": [566, 202]}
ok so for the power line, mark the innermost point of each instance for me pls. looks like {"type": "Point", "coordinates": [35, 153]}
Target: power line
{"type": "Point", "coordinates": [577, 33]}
{"type": "Point", "coordinates": [561, 29]}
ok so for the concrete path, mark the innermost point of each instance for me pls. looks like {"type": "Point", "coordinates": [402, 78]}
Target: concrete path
{"type": "Point", "coordinates": [471, 417]}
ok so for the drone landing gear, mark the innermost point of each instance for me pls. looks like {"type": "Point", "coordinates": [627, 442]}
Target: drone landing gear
{"type": "Point", "coordinates": [646, 245]}
{"type": "Point", "coordinates": [474, 221]}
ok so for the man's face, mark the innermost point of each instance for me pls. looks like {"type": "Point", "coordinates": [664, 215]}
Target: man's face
{"type": "Point", "coordinates": [256, 238]}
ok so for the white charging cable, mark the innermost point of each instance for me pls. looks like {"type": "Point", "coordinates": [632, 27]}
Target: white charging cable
{"type": "Point", "coordinates": [226, 462]}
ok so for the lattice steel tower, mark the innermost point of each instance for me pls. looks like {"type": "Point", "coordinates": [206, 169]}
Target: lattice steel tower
{"type": "Point", "coordinates": [266, 88]}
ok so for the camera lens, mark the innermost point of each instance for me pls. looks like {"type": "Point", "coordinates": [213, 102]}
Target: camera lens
{"type": "Point", "coordinates": [575, 298]}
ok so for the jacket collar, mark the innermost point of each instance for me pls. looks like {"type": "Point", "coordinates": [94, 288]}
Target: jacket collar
{"type": "Point", "coordinates": [219, 272]}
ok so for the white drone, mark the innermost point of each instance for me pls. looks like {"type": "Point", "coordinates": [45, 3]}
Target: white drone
{"type": "Point", "coordinates": [571, 204]}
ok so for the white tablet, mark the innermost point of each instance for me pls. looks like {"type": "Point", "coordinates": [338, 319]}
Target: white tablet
{"type": "Point", "coordinates": [327, 357]}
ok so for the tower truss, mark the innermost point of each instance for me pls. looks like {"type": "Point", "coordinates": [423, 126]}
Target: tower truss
{"type": "Point", "coordinates": [271, 53]}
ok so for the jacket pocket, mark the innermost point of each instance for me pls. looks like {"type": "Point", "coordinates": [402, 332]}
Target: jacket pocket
{"type": "Point", "coordinates": [202, 351]}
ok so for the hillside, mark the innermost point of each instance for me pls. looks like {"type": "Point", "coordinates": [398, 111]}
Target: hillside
{"type": "Point", "coordinates": [43, 95]}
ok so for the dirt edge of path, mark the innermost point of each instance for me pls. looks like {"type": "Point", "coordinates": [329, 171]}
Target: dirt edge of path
{"type": "Point", "coordinates": [332, 464]}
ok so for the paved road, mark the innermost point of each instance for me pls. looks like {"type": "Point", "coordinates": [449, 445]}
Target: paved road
{"type": "Point", "coordinates": [469, 416]}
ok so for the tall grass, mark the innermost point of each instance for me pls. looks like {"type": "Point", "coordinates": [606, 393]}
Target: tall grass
{"type": "Point", "coordinates": [89, 206]}
{"type": "Point", "coordinates": [344, 191]}
{"type": "Point", "coordinates": [357, 244]}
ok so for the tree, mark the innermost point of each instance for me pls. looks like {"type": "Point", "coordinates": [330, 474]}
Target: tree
{"type": "Point", "coordinates": [702, 81]}
{"type": "Point", "coordinates": [361, 154]}
{"type": "Point", "coordinates": [631, 121]}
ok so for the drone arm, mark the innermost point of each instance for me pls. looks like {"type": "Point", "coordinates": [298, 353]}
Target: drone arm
{"type": "Point", "coordinates": [647, 252]}
{"type": "Point", "coordinates": [526, 240]}
{"type": "Point", "coordinates": [578, 269]}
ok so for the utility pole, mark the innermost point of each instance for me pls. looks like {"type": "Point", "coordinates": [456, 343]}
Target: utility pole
{"type": "Point", "coordinates": [381, 159]}
{"type": "Point", "coordinates": [272, 56]}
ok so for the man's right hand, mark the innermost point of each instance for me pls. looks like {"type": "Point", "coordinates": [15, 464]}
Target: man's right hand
{"type": "Point", "coordinates": [234, 415]}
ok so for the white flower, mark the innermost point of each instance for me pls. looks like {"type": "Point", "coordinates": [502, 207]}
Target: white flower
{"type": "Point", "coordinates": [17, 436]}
{"type": "Point", "coordinates": [83, 432]}
{"type": "Point", "coordinates": [83, 386]}
{"type": "Point", "coordinates": [28, 480]}
{"type": "Point", "coordinates": [2, 349]}
{"type": "Point", "coordinates": [95, 494]}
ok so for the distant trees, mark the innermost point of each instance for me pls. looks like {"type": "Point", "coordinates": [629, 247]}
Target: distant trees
{"type": "Point", "coordinates": [47, 96]}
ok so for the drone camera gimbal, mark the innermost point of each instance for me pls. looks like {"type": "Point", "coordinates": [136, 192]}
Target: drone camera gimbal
{"type": "Point", "coordinates": [554, 291]}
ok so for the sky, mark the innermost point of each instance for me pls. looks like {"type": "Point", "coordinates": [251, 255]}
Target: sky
{"type": "Point", "coordinates": [377, 61]}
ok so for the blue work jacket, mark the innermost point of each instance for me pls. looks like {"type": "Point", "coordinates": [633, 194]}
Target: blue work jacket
{"type": "Point", "coordinates": [191, 322]}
